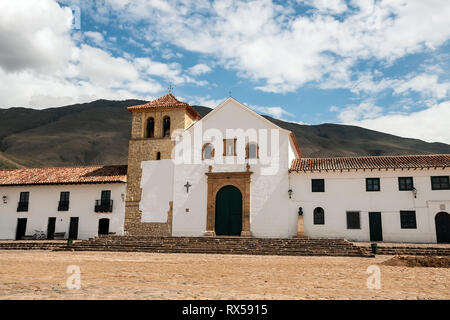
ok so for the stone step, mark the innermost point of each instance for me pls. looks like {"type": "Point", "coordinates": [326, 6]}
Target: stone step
{"type": "Point", "coordinates": [222, 245]}
{"type": "Point", "coordinates": [214, 251]}
{"type": "Point", "coordinates": [348, 249]}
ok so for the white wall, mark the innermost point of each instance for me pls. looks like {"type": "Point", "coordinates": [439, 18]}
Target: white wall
{"type": "Point", "coordinates": [157, 190]}
{"type": "Point", "coordinates": [43, 203]}
{"type": "Point", "coordinates": [346, 191]}
{"type": "Point", "coordinates": [271, 213]}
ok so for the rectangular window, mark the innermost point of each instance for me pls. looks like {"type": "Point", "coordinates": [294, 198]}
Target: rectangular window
{"type": "Point", "coordinates": [64, 197]}
{"type": "Point", "coordinates": [408, 220]}
{"type": "Point", "coordinates": [63, 204]}
{"type": "Point", "coordinates": [106, 196]}
{"type": "Point", "coordinates": [229, 147]}
{"type": "Point", "coordinates": [318, 185]}
{"type": "Point", "coordinates": [405, 183]}
{"type": "Point", "coordinates": [353, 221]}
{"type": "Point", "coordinates": [372, 184]}
{"type": "Point", "coordinates": [24, 197]}
{"type": "Point", "coordinates": [440, 183]}
{"type": "Point", "coordinates": [23, 202]}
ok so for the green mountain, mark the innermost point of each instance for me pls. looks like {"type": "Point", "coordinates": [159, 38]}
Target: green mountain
{"type": "Point", "coordinates": [98, 133]}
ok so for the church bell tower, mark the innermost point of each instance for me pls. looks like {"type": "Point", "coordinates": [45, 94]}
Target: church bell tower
{"type": "Point", "coordinates": [151, 129]}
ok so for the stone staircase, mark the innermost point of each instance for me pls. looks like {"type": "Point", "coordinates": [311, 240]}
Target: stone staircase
{"type": "Point", "coordinates": [412, 251]}
{"type": "Point", "coordinates": [221, 245]}
{"type": "Point", "coordinates": [30, 245]}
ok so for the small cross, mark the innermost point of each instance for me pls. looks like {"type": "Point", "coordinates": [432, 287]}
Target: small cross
{"type": "Point", "coordinates": [170, 88]}
{"type": "Point", "coordinates": [187, 186]}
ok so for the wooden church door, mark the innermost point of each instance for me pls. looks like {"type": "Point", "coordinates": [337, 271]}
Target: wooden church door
{"type": "Point", "coordinates": [228, 220]}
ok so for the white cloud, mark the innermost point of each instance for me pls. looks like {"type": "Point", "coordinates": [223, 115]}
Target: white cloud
{"type": "Point", "coordinates": [42, 64]}
{"type": "Point", "coordinates": [364, 110]}
{"type": "Point", "coordinates": [101, 68]}
{"type": "Point", "coordinates": [426, 84]}
{"type": "Point", "coordinates": [205, 101]}
{"type": "Point", "coordinates": [199, 69]}
{"type": "Point", "coordinates": [430, 124]}
{"type": "Point", "coordinates": [96, 37]}
{"type": "Point", "coordinates": [331, 6]}
{"type": "Point", "coordinates": [29, 30]}
{"type": "Point", "coordinates": [172, 72]}
{"type": "Point", "coordinates": [276, 112]}
{"type": "Point", "coordinates": [281, 50]}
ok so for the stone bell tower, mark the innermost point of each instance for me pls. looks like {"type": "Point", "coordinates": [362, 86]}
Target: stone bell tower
{"type": "Point", "coordinates": [151, 129]}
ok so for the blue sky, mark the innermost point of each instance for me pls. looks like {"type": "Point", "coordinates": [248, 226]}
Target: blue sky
{"type": "Point", "coordinates": [383, 65]}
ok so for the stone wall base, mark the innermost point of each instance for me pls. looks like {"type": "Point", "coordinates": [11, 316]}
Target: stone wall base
{"type": "Point", "coordinates": [134, 226]}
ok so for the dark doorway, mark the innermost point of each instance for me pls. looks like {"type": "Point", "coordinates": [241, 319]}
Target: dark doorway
{"type": "Point", "coordinates": [103, 226]}
{"type": "Point", "coordinates": [442, 221]}
{"type": "Point", "coordinates": [73, 228]}
{"type": "Point", "coordinates": [51, 228]}
{"type": "Point", "coordinates": [21, 228]}
{"type": "Point", "coordinates": [228, 211]}
{"type": "Point", "coordinates": [376, 231]}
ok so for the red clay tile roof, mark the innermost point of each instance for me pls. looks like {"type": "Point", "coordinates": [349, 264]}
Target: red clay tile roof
{"type": "Point", "coordinates": [381, 162]}
{"type": "Point", "coordinates": [166, 101]}
{"type": "Point", "coordinates": [63, 175]}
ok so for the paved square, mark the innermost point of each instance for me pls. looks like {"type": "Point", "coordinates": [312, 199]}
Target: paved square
{"type": "Point", "coordinates": [109, 275]}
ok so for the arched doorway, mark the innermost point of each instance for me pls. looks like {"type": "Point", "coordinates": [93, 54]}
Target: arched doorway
{"type": "Point", "coordinates": [442, 221]}
{"type": "Point", "coordinates": [103, 226]}
{"type": "Point", "coordinates": [228, 220]}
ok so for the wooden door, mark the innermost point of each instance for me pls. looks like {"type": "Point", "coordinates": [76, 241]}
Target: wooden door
{"type": "Point", "coordinates": [442, 221]}
{"type": "Point", "coordinates": [228, 211]}
{"type": "Point", "coordinates": [21, 228]}
{"type": "Point", "coordinates": [51, 228]}
{"type": "Point", "coordinates": [376, 231]}
{"type": "Point", "coordinates": [103, 226]}
{"type": "Point", "coordinates": [73, 228]}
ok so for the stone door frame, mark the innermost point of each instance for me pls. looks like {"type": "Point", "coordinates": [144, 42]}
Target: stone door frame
{"type": "Point", "coordinates": [217, 180]}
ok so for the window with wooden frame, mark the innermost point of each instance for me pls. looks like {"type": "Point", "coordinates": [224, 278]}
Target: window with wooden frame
{"type": "Point", "coordinates": [353, 220]}
{"type": "Point", "coordinates": [372, 184]}
{"type": "Point", "coordinates": [229, 147]}
{"type": "Point", "coordinates": [440, 183]}
{"type": "Point", "coordinates": [207, 151]}
{"type": "Point", "coordinates": [252, 151]}
{"type": "Point", "coordinates": [318, 185]}
{"type": "Point", "coordinates": [405, 183]}
{"type": "Point", "coordinates": [319, 216]}
{"type": "Point", "coordinates": [408, 219]}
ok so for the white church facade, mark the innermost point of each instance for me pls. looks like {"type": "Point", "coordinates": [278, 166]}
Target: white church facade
{"type": "Point", "coordinates": [235, 173]}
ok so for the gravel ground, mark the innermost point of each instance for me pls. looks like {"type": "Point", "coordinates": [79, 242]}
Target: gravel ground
{"type": "Point", "coordinates": [110, 275]}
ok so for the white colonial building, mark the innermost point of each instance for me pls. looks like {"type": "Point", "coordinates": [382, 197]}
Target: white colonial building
{"type": "Point", "coordinates": [231, 173]}
{"type": "Point", "coordinates": [76, 203]}
{"type": "Point", "coordinates": [393, 199]}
